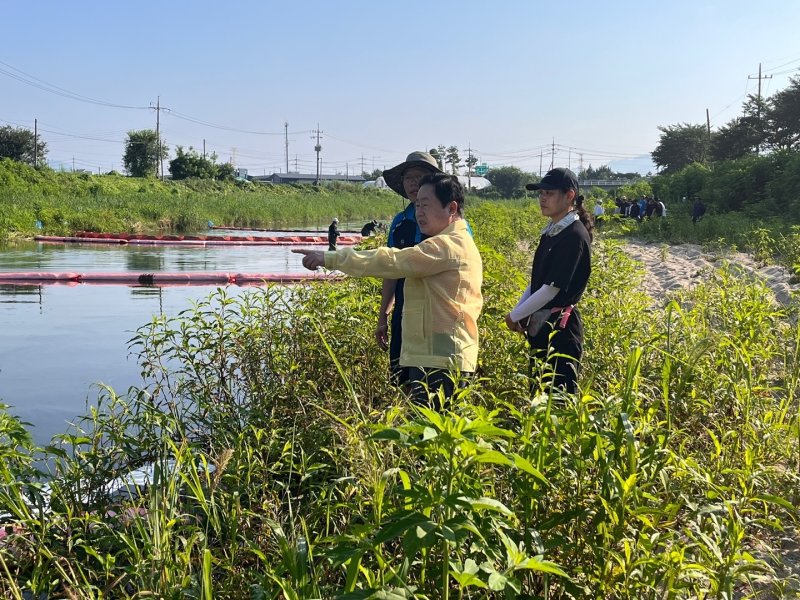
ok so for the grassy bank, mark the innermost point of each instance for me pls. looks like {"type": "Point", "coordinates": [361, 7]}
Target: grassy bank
{"type": "Point", "coordinates": [67, 202]}
{"type": "Point", "coordinates": [667, 478]}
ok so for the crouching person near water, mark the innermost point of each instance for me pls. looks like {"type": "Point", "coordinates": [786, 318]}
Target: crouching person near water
{"type": "Point", "coordinates": [443, 298]}
{"type": "Point", "coordinates": [546, 311]}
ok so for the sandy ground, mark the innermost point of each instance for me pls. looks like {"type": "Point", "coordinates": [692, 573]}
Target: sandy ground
{"type": "Point", "coordinates": [670, 268]}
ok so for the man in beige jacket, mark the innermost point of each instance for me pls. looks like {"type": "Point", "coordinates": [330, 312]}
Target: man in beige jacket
{"type": "Point", "coordinates": [443, 297]}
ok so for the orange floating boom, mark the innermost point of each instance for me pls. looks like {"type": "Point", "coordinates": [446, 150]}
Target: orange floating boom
{"type": "Point", "coordinates": [163, 279]}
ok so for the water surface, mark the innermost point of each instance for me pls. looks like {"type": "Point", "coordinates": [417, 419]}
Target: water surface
{"type": "Point", "coordinates": [58, 341]}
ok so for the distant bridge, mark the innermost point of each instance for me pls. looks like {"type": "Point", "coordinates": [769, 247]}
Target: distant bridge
{"type": "Point", "coordinates": [608, 184]}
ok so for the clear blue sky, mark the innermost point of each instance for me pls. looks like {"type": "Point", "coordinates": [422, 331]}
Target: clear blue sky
{"type": "Point", "coordinates": [381, 79]}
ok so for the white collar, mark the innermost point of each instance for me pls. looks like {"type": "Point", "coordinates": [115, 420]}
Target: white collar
{"type": "Point", "coordinates": [553, 229]}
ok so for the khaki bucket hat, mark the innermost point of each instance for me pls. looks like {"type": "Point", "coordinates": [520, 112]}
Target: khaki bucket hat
{"type": "Point", "coordinates": [394, 176]}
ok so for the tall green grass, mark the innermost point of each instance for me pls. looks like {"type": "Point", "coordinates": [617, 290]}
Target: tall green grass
{"type": "Point", "coordinates": [67, 202]}
{"type": "Point", "coordinates": [667, 477]}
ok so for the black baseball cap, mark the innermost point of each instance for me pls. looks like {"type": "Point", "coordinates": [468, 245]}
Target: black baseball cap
{"type": "Point", "coordinates": [556, 179]}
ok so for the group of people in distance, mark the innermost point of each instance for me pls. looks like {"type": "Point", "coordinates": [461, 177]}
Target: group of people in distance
{"type": "Point", "coordinates": [432, 275]}
{"type": "Point", "coordinates": [643, 208]}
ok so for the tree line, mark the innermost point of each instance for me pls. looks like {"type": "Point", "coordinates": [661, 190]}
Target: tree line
{"type": "Point", "coordinates": [765, 125]}
{"type": "Point", "coordinates": [144, 150]}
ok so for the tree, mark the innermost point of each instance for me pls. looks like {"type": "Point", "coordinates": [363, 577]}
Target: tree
{"type": "Point", "coordinates": [451, 156]}
{"type": "Point", "coordinates": [508, 181]}
{"type": "Point", "coordinates": [18, 143]}
{"type": "Point", "coordinates": [603, 172]}
{"type": "Point", "coordinates": [438, 154]}
{"type": "Point", "coordinates": [734, 140]}
{"type": "Point", "coordinates": [681, 145]}
{"type": "Point", "coordinates": [225, 171]}
{"type": "Point", "coordinates": [193, 164]}
{"type": "Point", "coordinates": [784, 115]}
{"type": "Point", "coordinates": [471, 161]}
{"type": "Point", "coordinates": [374, 175]}
{"type": "Point", "coordinates": [143, 153]}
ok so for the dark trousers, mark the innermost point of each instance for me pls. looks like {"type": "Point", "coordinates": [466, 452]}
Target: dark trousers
{"type": "Point", "coordinates": [561, 349]}
{"type": "Point", "coordinates": [423, 381]}
{"type": "Point", "coordinates": [398, 374]}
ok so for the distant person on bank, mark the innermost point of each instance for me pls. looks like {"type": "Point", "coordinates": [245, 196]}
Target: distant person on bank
{"type": "Point", "coordinates": [599, 212]}
{"type": "Point", "coordinates": [442, 296]}
{"type": "Point", "coordinates": [333, 234]}
{"type": "Point", "coordinates": [546, 311]}
{"type": "Point", "coordinates": [370, 228]}
{"type": "Point", "coordinates": [698, 210]}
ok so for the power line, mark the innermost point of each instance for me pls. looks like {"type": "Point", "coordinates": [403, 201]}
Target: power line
{"type": "Point", "coordinates": [178, 115]}
{"type": "Point", "coordinates": [30, 80]}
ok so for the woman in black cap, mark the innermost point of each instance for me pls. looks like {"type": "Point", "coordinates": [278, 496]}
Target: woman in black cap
{"type": "Point", "coordinates": [546, 311]}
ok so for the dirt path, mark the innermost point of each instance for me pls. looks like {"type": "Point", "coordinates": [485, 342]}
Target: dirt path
{"type": "Point", "coordinates": [669, 268]}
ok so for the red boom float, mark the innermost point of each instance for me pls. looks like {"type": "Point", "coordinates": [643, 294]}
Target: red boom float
{"type": "Point", "coordinates": [162, 279]}
{"type": "Point", "coordinates": [88, 237]}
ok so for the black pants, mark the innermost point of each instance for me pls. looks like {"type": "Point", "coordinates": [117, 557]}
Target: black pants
{"type": "Point", "coordinates": [423, 381]}
{"type": "Point", "coordinates": [399, 375]}
{"type": "Point", "coordinates": [561, 349]}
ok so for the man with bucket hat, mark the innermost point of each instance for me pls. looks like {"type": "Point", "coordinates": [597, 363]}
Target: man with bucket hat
{"type": "Point", "coordinates": [404, 232]}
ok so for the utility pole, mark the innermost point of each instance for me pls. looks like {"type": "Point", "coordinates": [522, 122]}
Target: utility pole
{"type": "Point", "coordinates": [759, 84]}
{"type": "Point", "coordinates": [708, 125]}
{"type": "Point", "coordinates": [553, 153]}
{"type": "Point", "coordinates": [35, 143]}
{"type": "Point", "coordinates": [758, 147]}
{"type": "Point", "coordinates": [295, 164]}
{"type": "Point", "coordinates": [204, 149]}
{"type": "Point", "coordinates": [469, 166]}
{"type": "Point", "coordinates": [159, 158]}
{"type": "Point", "coordinates": [286, 139]}
{"type": "Point", "coordinates": [580, 163]}
{"type": "Point", "coordinates": [569, 158]}
{"type": "Point", "coordinates": [317, 149]}
{"type": "Point", "coordinates": [158, 132]}
{"type": "Point", "coordinates": [540, 163]}
{"type": "Point", "coordinates": [362, 164]}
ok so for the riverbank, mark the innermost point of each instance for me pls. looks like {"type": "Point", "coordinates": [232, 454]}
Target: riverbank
{"type": "Point", "coordinates": [327, 483]}
{"type": "Point", "coordinates": [52, 203]}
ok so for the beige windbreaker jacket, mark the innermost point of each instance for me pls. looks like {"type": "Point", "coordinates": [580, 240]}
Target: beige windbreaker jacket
{"type": "Point", "coordinates": [443, 297]}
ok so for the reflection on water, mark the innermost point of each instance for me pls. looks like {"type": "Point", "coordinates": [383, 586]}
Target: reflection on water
{"type": "Point", "coordinates": [82, 258]}
{"type": "Point", "coordinates": [58, 341]}
{"type": "Point", "coordinates": [147, 262]}
{"type": "Point", "coordinates": [21, 293]}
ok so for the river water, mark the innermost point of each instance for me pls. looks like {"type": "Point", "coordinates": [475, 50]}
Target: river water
{"type": "Point", "coordinates": [57, 342]}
